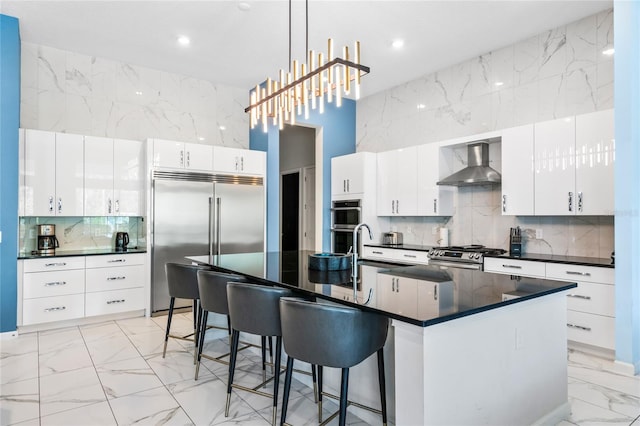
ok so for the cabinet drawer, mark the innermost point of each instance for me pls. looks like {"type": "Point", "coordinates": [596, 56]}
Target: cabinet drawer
{"type": "Point", "coordinates": [110, 302]}
{"type": "Point", "coordinates": [376, 253]}
{"type": "Point", "coordinates": [594, 274]}
{"type": "Point", "coordinates": [115, 260]}
{"type": "Point", "coordinates": [596, 330]}
{"type": "Point", "coordinates": [514, 267]}
{"type": "Point", "coordinates": [48, 309]}
{"type": "Point", "coordinates": [593, 299]}
{"type": "Point", "coordinates": [56, 283]}
{"type": "Point", "coordinates": [103, 279]}
{"type": "Point", "coordinates": [412, 256]}
{"type": "Point", "coordinates": [53, 264]}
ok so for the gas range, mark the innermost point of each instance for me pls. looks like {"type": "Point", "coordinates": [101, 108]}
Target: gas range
{"type": "Point", "coordinates": [468, 257]}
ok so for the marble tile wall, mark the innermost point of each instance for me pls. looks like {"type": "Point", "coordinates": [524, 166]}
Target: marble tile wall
{"type": "Point", "coordinates": [558, 73]}
{"type": "Point", "coordinates": [64, 91]}
{"type": "Point", "coordinates": [82, 233]}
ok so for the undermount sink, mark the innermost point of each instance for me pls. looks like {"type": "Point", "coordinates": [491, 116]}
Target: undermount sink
{"type": "Point", "coordinates": [329, 261]}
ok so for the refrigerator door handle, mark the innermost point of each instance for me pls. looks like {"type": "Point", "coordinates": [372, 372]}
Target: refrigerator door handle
{"type": "Point", "coordinates": [211, 229]}
{"type": "Point", "coordinates": [218, 239]}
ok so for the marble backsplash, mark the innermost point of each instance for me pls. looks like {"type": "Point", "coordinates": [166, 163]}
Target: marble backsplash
{"type": "Point", "coordinates": [83, 233]}
{"type": "Point", "coordinates": [69, 92]}
{"type": "Point", "coordinates": [558, 73]}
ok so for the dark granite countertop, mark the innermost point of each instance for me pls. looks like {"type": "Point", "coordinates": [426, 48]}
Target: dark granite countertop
{"type": "Point", "coordinates": [420, 295]}
{"type": "Point", "coordinates": [415, 247]}
{"type": "Point", "coordinates": [90, 252]}
{"type": "Point", "coordinates": [554, 258]}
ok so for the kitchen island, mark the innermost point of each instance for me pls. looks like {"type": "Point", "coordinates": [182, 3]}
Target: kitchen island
{"type": "Point", "coordinates": [465, 347]}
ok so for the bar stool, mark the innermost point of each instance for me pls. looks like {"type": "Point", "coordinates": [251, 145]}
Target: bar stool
{"type": "Point", "coordinates": [332, 336]}
{"type": "Point", "coordinates": [212, 286]}
{"type": "Point", "coordinates": [183, 283]}
{"type": "Point", "coordinates": [254, 309]}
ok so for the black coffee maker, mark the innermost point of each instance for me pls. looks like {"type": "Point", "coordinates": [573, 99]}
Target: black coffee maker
{"type": "Point", "coordinates": [47, 241]}
{"type": "Point", "coordinates": [122, 240]}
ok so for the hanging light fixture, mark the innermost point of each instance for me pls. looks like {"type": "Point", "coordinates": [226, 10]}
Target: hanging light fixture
{"type": "Point", "coordinates": [306, 85]}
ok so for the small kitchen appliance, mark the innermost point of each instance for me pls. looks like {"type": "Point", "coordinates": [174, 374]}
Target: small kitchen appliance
{"type": "Point", "coordinates": [392, 238]}
{"type": "Point", "coordinates": [515, 242]}
{"type": "Point", "coordinates": [122, 240]}
{"type": "Point", "coordinates": [467, 257]}
{"type": "Point", "coordinates": [47, 241]}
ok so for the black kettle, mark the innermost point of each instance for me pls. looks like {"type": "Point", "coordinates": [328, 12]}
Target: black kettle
{"type": "Point", "coordinates": [122, 240]}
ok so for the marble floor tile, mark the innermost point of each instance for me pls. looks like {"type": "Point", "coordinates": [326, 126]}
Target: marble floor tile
{"type": "Point", "coordinates": [19, 366]}
{"type": "Point", "coordinates": [18, 345]}
{"type": "Point", "coordinates": [50, 339]}
{"type": "Point", "coordinates": [62, 350]}
{"type": "Point", "coordinates": [94, 414]}
{"type": "Point", "coordinates": [625, 384]}
{"type": "Point", "coordinates": [585, 414]}
{"type": "Point", "coordinates": [605, 398]}
{"type": "Point", "coordinates": [152, 407]}
{"type": "Point", "coordinates": [175, 367]}
{"type": "Point", "coordinates": [152, 343]}
{"type": "Point", "coordinates": [19, 402]}
{"type": "Point", "coordinates": [32, 422]}
{"type": "Point", "coordinates": [69, 390]}
{"type": "Point", "coordinates": [112, 349]}
{"type": "Point", "coordinates": [126, 377]}
{"type": "Point", "coordinates": [140, 325]}
{"type": "Point", "coordinates": [101, 331]}
{"type": "Point", "coordinates": [204, 400]}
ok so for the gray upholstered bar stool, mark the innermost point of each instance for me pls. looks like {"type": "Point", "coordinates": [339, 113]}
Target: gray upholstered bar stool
{"type": "Point", "coordinates": [212, 286]}
{"type": "Point", "coordinates": [332, 336]}
{"type": "Point", "coordinates": [254, 309]}
{"type": "Point", "coordinates": [183, 284]}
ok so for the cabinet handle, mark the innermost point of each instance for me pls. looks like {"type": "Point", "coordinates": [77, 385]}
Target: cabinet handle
{"type": "Point", "coordinates": [188, 159]}
{"type": "Point", "coordinates": [57, 308]}
{"type": "Point", "coordinates": [242, 163]}
{"type": "Point", "coordinates": [579, 296]}
{"type": "Point", "coordinates": [116, 278]}
{"type": "Point", "coordinates": [397, 285]}
{"type": "Point", "coordinates": [55, 264]}
{"type": "Point", "coordinates": [579, 327]}
{"type": "Point", "coordinates": [54, 283]}
{"type": "Point", "coordinates": [393, 206]}
{"type": "Point", "coordinates": [570, 201]}
{"type": "Point", "coordinates": [435, 205]}
{"type": "Point", "coordinates": [181, 158]}
{"type": "Point", "coordinates": [236, 158]}
{"type": "Point", "coordinates": [117, 206]}
{"type": "Point", "coordinates": [393, 285]}
{"type": "Point", "coordinates": [398, 206]}
{"type": "Point", "coordinates": [412, 256]}
{"type": "Point", "coordinates": [348, 182]}
{"type": "Point", "coordinates": [582, 274]}
{"type": "Point", "coordinates": [59, 205]}
{"type": "Point", "coordinates": [116, 261]}
{"type": "Point", "coordinates": [50, 204]}
{"type": "Point", "coordinates": [109, 206]}
{"type": "Point", "coordinates": [512, 266]}
{"type": "Point", "coordinates": [579, 201]}
{"type": "Point", "coordinates": [111, 302]}
{"type": "Point", "coordinates": [435, 292]}
{"type": "Point", "coordinates": [376, 252]}
{"type": "Point", "coordinates": [504, 204]}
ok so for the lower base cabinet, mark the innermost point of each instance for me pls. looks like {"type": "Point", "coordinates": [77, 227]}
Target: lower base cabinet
{"type": "Point", "coordinates": [53, 308]}
{"type": "Point", "coordinates": [114, 301]}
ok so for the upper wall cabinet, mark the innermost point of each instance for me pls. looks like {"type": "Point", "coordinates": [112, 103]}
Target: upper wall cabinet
{"type": "Point", "coordinates": [239, 161]}
{"type": "Point", "coordinates": [114, 177]}
{"type": "Point", "coordinates": [517, 171]}
{"type": "Point", "coordinates": [52, 174]}
{"type": "Point", "coordinates": [574, 165]}
{"type": "Point", "coordinates": [181, 155]}
{"type": "Point", "coordinates": [353, 174]}
{"type": "Point", "coordinates": [397, 178]}
{"type": "Point", "coordinates": [433, 199]}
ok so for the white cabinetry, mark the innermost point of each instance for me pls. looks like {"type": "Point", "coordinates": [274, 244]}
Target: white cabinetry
{"type": "Point", "coordinates": [115, 283]}
{"type": "Point", "coordinates": [518, 171]}
{"type": "Point", "coordinates": [182, 155]}
{"type": "Point", "coordinates": [398, 294]}
{"type": "Point", "coordinates": [433, 199]}
{"type": "Point", "coordinates": [239, 161]}
{"type": "Point", "coordinates": [396, 255]}
{"type": "Point", "coordinates": [53, 174]}
{"type": "Point", "coordinates": [114, 177]}
{"type": "Point", "coordinates": [508, 266]}
{"type": "Point", "coordinates": [350, 174]}
{"type": "Point", "coordinates": [398, 182]}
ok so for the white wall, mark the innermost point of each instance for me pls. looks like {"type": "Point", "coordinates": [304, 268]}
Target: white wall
{"type": "Point", "coordinates": [558, 73]}
{"type": "Point", "coordinates": [68, 92]}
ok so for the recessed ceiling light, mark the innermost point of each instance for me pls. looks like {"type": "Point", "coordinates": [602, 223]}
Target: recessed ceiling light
{"type": "Point", "coordinates": [139, 93]}
{"type": "Point", "coordinates": [608, 52]}
{"type": "Point", "coordinates": [244, 6]}
{"type": "Point", "coordinates": [499, 83]}
{"type": "Point", "coordinates": [200, 138]}
{"type": "Point", "coordinates": [397, 44]}
{"type": "Point", "coordinates": [222, 128]}
{"type": "Point", "coordinates": [183, 41]}
{"type": "Point", "coordinates": [421, 106]}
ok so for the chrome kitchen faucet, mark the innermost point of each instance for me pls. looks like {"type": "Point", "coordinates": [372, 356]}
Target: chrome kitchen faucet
{"type": "Point", "coordinates": [354, 261]}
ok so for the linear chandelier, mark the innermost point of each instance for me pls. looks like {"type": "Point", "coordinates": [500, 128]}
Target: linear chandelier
{"type": "Point", "coordinates": [306, 85]}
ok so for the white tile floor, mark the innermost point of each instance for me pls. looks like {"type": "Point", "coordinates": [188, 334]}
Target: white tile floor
{"type": "Point", "coordinates": [113, 373]}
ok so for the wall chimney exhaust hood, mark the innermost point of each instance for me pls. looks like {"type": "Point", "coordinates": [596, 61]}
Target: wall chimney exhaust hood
{"type": "Point", "coordinates": [477, 171]}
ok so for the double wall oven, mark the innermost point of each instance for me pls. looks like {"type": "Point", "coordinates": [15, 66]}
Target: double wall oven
{"type": "Point", "coordinates": [345, 215]}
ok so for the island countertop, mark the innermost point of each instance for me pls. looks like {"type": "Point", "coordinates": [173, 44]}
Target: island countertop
{"type": "Point", "coordinates": [419, 295]}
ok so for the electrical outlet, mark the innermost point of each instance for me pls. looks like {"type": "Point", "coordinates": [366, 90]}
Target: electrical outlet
{"type": "Point", "coordinates": [539, 234]}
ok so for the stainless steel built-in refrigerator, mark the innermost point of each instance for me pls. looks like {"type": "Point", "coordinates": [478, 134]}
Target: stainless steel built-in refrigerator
{"type": "Point", "coordinates": [198, 214]}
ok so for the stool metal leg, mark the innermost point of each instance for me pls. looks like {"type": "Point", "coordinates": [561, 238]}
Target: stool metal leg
{"type": "Point", "coordinates": [344, 388]}
{"type": "Point", "coordinates": [319, 394]}
{"type": "Point", "coordinates": [276, 379]}
{"type": "Point", "coordinates": [235, 337]}
{"type": "Point", "coordinates": [197, 316]}
{"type": "Point", "coordinates": [166, 334]}
{"type": "Point", "coordinates": [263, 350]}
{"type": "Point", "coordinates": [315, 383]}
{"type": "Point", "coordinates": [287, 389]}
{"type": "Point", "coordinates": [203, 330]}
{"type": "Point", "coordinates": [383, 398]}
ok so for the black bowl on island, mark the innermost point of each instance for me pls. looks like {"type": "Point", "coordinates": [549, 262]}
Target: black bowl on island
{"type": "Point", "coordinates": [329, 261]}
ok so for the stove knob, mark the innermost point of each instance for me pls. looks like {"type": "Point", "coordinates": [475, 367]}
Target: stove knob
{"type": "Point", "coordinates": [476, 256]}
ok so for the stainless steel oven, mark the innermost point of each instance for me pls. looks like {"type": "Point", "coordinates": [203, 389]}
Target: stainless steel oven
{"type": "Point", "coordinates": [465, 257]}
{"type": "Point", "coordinates": [345, 215]}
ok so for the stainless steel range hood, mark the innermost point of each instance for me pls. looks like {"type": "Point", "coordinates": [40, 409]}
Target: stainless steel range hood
{"type": "Point", "coordinates": [477, 171]}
